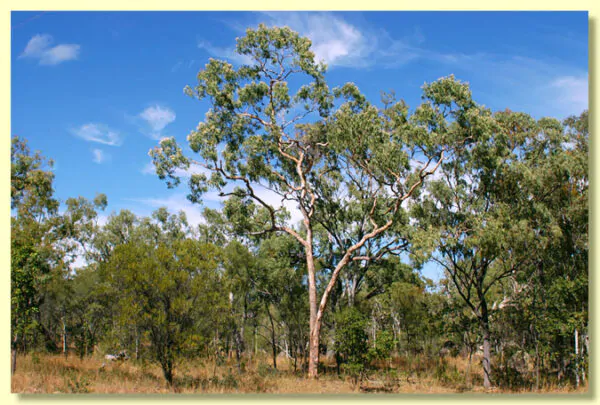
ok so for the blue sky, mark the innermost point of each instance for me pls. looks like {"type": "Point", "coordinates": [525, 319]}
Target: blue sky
{"type": "Point", "coordinates": [96, 90]}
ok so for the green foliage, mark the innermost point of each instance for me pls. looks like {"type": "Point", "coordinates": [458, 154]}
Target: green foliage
{"type": "Point", "coordinates": [165, 289]}
{"type": "Point", "coordinates": [499, 200]}
{"type": "Point", "coordinates": [384, 344]}
{"type": "Point", "coordinates": [351, 342]}
{"type": "Point", "coordinates": [33, 252]}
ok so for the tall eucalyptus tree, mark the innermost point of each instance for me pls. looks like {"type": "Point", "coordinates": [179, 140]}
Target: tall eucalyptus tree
{"type": "Point", "coordinates": [274, 124]}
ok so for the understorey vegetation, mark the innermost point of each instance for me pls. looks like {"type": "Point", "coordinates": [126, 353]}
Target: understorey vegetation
{"type": "Point", "coordinates": [250, 301]}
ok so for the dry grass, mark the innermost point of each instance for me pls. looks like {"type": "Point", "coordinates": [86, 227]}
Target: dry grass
{"type": "Point", "coordinates": [55, 374]}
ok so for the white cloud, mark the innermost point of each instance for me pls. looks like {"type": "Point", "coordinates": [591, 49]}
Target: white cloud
{"type": "Point", "coordinates": [157, 118]}
{"type": "Point", "coordinates": [334, 40]}
{"type": "Point", "coordinates": [572, 92]}
{"type": "Point", "coordinates": [99, 156]}
{"type": "Point", "coordinates": [540, 87]}
{"type": "Point", "coordinates": [39, 47]}
{"type": "Point", "coordinates": [338, 42]}
{"type": "Point", "coordinates": [98, 133]}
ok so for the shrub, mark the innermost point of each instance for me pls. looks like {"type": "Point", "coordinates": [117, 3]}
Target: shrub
{"type": "Point", "coordinates": [351, 343]}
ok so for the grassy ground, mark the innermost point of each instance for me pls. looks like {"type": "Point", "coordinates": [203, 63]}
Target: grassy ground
{"type": "Point", "coordinates": [41, 373]}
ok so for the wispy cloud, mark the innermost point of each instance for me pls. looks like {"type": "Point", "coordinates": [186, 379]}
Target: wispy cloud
{"type": "Point", "coordinates": [156, 118]}
{"type": "Point", "coordinates": [227, 53]}
{"type": "Point", "coordinates": [176, 66]}
{"type": "Point", "coordinates": [182, 64]}
{"type": "Point", "coordinates": [572, 92]}
{"type": "Point", "coordinates": [340, 43]}
{"type": "Point", "coordinates": [334, 40]}
{"type": "Point", "coordinates": [100, 156]}
{"type": "Point", "coordinates": [541, 86]}
{"type": "Point", "coordinates": [40, 47]}
{"type": "Point", "coordinates": [98, 133]}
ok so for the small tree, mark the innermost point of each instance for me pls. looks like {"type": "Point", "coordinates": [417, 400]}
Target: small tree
{"type": "Point", "coordinates": [33, 254]}
{"type": "Point", "coordinates": [488, 213]}
{"type": "Point", "coordinates": [351, 342]}
{"type": "Point", "coordinates": [165, 289]}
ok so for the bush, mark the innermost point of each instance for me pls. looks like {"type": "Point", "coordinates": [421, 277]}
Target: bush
{"type": "Point", "coordinates": [351, 343]}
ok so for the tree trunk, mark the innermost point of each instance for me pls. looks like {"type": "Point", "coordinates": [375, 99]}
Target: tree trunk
{"type": "Point", "coordinates": [316, 312]}
{"type": "Point", "coordinates": [576, 359]}
{"type": "Point", "coordinates": [313, 350]}
{"type": "Point", "coordinates": [486, 355]}
{"type": "Point", "coordinates": [313, 341]}
{"type": "Point", "coordinates": [255, 343]}
{"type": "Point", "coordinates": [273, 338]}
{"type": "Point", "coordinates": [484, 320]}
{"type": "Point", "coordinates": [167, 368]}
{"type": "Point", "coordinates": [13, 365]}
{"type": "Point", "coordinates": [238, 347]}
{"type": "Point", "coordinates": [64, 338]}
{"type": "Point", "coordinates": [236, 336]}
{"type": "Point", "coordinates": [584, 339]}
{"type": "Point", "coordinates": [468, 371]}
{"type": "Point", "coordinates": [537, 366]}
{"type": "Point", "coordinates": [352, 290]}
{"type": "Point", "coordinates": [137, 343]}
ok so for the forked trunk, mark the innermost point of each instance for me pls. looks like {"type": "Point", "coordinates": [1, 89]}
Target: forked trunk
{"type": "Point", "coordinates": [316, 312]}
